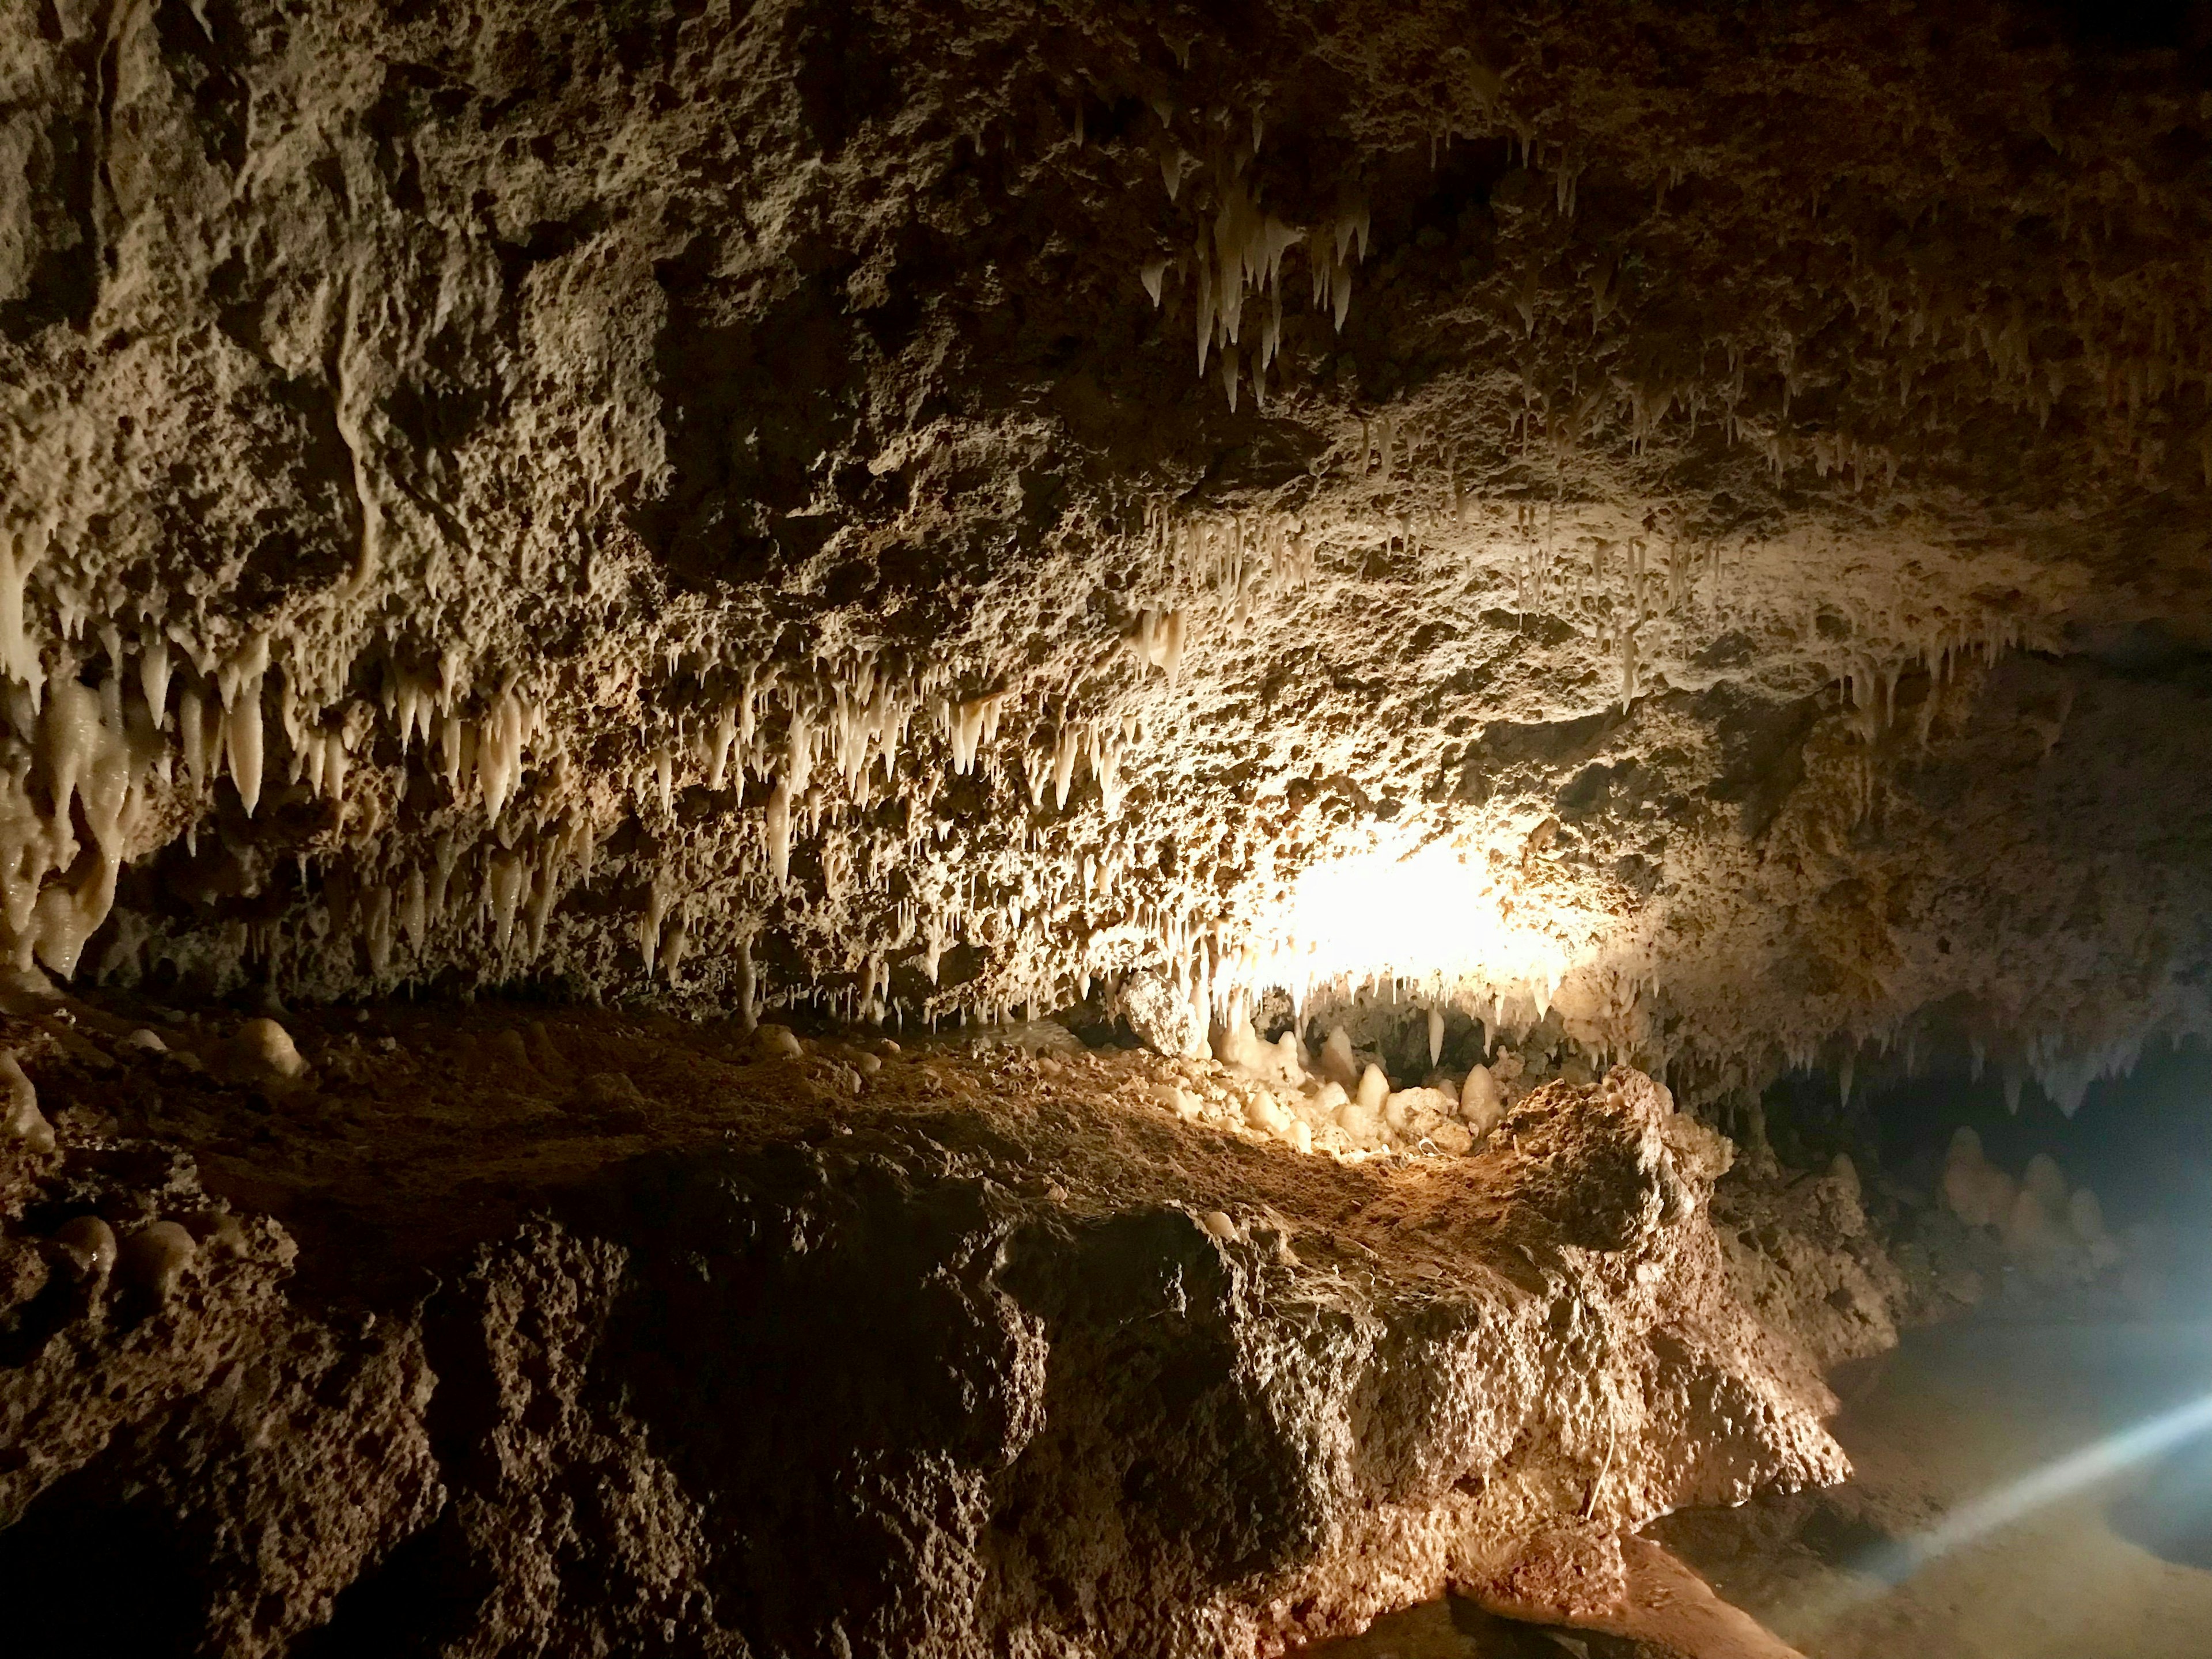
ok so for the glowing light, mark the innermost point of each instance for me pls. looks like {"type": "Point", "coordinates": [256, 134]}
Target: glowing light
{"type": "Point", "coordinates": [1432, 913]}
{"type": "Point", "coordinates": [2038, 1489]}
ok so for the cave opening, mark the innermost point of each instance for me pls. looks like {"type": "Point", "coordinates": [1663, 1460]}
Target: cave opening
{"type": "Point", "coordinates": [2141, 1140]}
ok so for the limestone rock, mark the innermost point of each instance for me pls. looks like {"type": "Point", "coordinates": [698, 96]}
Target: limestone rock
{"type": "Point", "coordinates": [890, 1381]}
{"type": "Point", "coordinates": [450, 534]}
{"type": "Point", "coordinates": [1161, 1015]}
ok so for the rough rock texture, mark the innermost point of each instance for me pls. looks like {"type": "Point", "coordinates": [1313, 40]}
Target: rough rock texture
{"type": "Point", "coordinates": [1161, 1015]}
{"type": "Point", "coordinates": [1803, 1259]}
{"type": "Point", "coordinates": [980, 1360]}
{"type": "Point", "coordinates": [777, 502]}
{"type": "Point", "coordinates": [205, 1471]}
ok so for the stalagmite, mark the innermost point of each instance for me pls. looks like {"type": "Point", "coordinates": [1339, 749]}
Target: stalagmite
{"type": "Point", "coordinates": [1481, 1104]}
{"type": "Point", "coordinates": [1977, 1193]}
{"type": "Point", "coordinates": [24, 1122]}
{"type": "Point", "coordinates": [89, 1244]}
{"type": "Point", "coordinates": [2044, 1181]}
{"type": "Point", "coordinates": [1374, 1089]}
{"type": "Point", "coordinates": [154, 1259]}
{"type": "Point", "coordinates": [2027, 1227]}
{"type": "Point", "coordinates": [1337, 1063]}
{"type": "Point", "coordinates": [261, 1052]}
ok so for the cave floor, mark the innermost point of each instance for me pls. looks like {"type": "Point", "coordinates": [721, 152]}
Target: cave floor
{"type": "Point", "coordinates": [428, 1129]}
{"type": "Point", "coordinates": [2120, 1568]}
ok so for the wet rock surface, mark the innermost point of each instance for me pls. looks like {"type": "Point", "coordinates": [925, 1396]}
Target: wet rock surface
{"type": "Point", "coordinates": [982, 1355]}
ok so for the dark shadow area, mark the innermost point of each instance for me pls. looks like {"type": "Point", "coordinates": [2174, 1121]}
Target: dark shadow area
{"type": "Point", "coordinates": [1457, 1629]}
{"type": "Point", "coordinates": [419, 1598]}
{"type": "Point", "coordinates": [83, 1576]}
{"type": "Point", "coordinates": [2171, 1515]}
{"type": "Point", "coordinates": [1841, 1539]}
{"type": "Point", "coordinates": [2142, 1141]}
{"type": "Point", "coordinates": [2182, 25]}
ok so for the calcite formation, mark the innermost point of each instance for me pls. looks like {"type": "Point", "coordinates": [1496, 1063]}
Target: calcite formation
{"type": "Point", "coordinates": [923, 512]}
{"type": "Point", "coordinates": [595, 1335]}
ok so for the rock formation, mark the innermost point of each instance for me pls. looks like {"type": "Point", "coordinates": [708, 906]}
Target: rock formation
{"type": "Point", "coordinates": [975, 1361]}
{"type": "Point", "coordinates": [926, 511]}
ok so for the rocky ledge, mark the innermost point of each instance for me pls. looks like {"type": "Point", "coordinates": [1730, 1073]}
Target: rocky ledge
{"type": "Point", "coordinates": [596, 1336]}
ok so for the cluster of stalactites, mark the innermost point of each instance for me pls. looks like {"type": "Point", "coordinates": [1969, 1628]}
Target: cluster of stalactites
{"type": "Point", "coordinates": [827, 744]}
{"type": "Point", "coordinates": [1095, 745]}
{"type": "Point", "coordinates": [1234, 561]}
{"type": "Point", "coordinates": [521, 822]}
{"type": "Point", "coordinates": [77, 752]}
{"type": "Point", "coordinates": [1221, 966]}
{"type": "Point", "coordinates": [1936, 643]}
{"type": "Point", "coordinates": [1238, 559]}
{"type": "Point", "coordinates": [1236, 257]}
{"type": "Point", "coordinates": [2063, 1069]}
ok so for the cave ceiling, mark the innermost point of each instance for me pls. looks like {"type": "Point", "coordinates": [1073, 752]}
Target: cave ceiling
{"type": "Point", "coordinates": [1690, 517]}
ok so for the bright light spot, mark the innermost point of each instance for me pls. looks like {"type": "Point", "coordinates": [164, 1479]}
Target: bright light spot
{"type": "Point", "coordinates": [2038, 1489]}
{"type": "Point", "coordinates": [1874, 1575]}
{"type": "Point", "coordinates": [1432, 914]}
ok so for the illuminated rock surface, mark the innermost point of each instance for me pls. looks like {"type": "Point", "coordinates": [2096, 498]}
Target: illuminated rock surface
{"type": "Point", "coordinates": [654, 1343]}
{"type": "Point", "coordinates": [725, 507]}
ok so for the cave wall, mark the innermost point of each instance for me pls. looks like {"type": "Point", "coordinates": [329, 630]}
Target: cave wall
{"type": "Point", "coordinates": [925, 510]}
